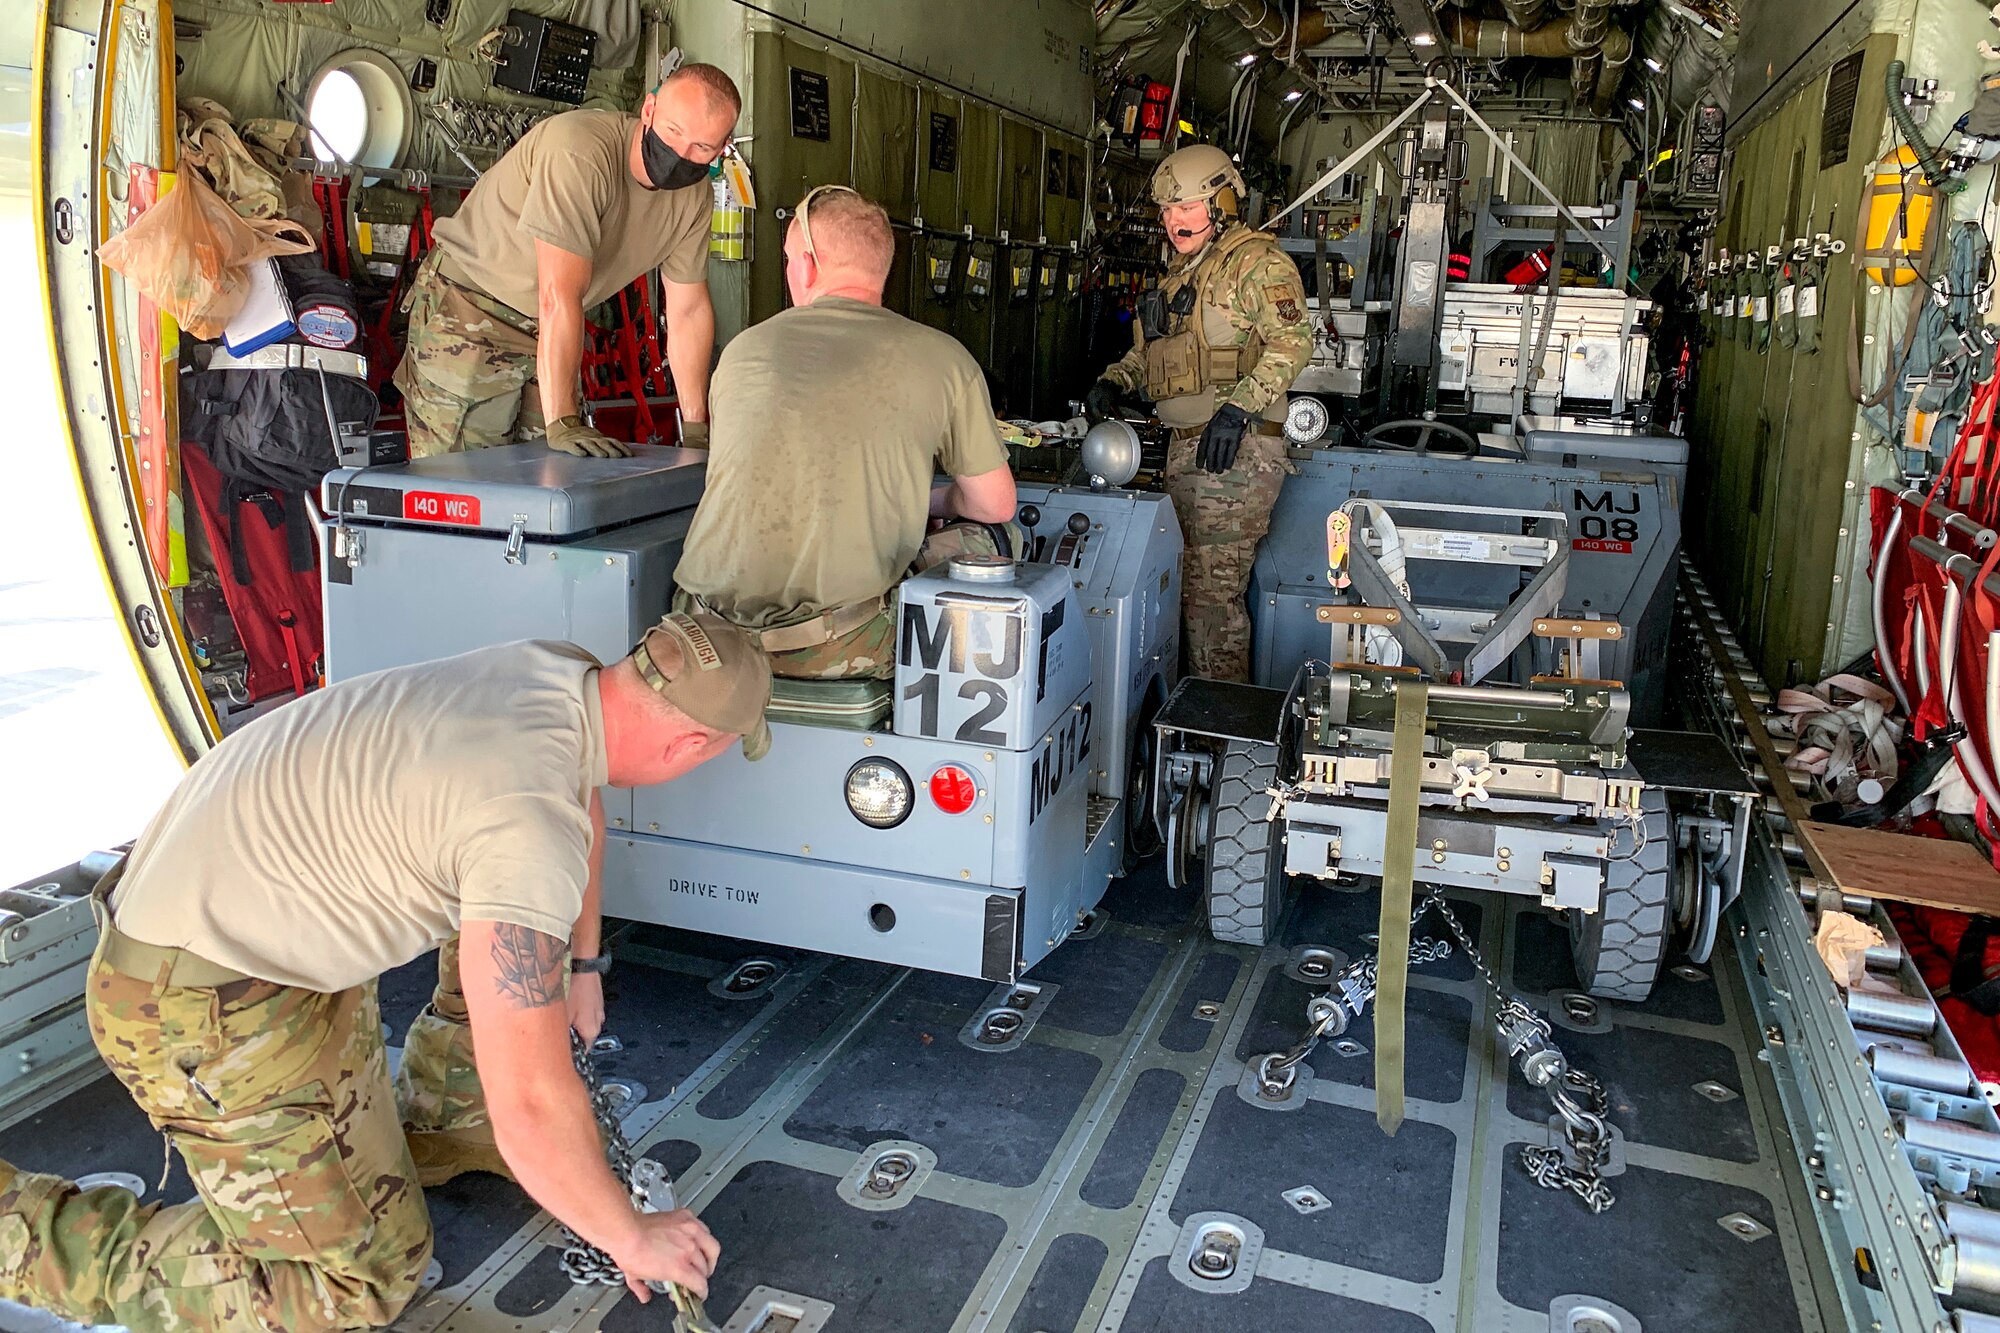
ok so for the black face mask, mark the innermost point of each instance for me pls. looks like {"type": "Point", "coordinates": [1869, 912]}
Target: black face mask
{"type": "Point", "coordinates": [667, 169]}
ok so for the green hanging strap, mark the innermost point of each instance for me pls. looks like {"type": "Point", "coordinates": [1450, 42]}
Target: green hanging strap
{"type": "Point", "coordinates": [1399, 868]}
{"type": "Point", "coordinates": [1746, 307]}
{"type": "Point", "coordinates": [1784, 299]}
{"type": "Point", "coordinates": [1731, 299]}
{"type": "Point", "coordinates": [1812, 286]}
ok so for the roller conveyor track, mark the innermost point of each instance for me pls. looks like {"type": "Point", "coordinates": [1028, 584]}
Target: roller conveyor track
{"type": "Point", "coordinates": [1895, 1258]}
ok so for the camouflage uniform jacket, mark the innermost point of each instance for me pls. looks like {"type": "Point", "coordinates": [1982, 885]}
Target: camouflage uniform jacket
{"type": "Point", "coordinates": [1241, 338]}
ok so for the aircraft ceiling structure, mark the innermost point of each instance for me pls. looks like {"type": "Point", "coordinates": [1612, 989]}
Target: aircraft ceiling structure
{"type": "Point", "coordinates": [1563, 58]}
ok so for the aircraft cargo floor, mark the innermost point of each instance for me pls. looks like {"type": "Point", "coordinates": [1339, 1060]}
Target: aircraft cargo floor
{"type": "Point", "coordinates": [1051, 1184]}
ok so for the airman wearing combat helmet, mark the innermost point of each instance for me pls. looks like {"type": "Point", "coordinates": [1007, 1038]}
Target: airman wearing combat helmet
{"type": "Point", "coordinates": [1215, 346]}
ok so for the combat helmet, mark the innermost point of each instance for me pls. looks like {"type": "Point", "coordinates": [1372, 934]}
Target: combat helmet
{"type": "Point", "coordinates": [1200, 171]}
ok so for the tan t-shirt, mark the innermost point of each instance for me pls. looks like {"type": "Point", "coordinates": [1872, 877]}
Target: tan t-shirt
{"type": "Point", "coordinates": [569, 182]}
{"type": "Point", "coordinates": [348, 832]}
{"type": "Point", "coordinates": [830, 421]}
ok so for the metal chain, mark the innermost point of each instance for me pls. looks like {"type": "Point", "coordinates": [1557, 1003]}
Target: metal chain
{"type": "Point", "coordinates": [652, 1192]}
{"type": "Point", "coordinates": [1328, 1014]}
{"type": "Point", "coordinates": [1579, 1099]}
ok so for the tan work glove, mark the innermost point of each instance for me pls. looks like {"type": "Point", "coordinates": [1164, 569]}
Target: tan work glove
{"type": "Point", "coordinates": [694, 435]}
{"type": "Point", "coordinates": [568, 435]}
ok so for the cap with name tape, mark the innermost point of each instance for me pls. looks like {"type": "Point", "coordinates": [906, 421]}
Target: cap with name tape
{"type": "Point", "coordinates": [724, 679]}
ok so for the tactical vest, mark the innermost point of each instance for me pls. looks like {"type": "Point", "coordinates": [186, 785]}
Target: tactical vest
{"type": "Point", "coordinates": [1195, 357]}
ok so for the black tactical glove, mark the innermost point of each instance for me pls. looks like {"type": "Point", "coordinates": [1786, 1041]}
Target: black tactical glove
{"type": "Point", "coordinates": [1221, 437]}
{"type": "Point", "coordinates": [1101, 403]}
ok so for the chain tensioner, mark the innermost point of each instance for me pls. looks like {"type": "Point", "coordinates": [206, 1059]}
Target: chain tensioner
{"type": "Point", "coordinates": [1578, 1098]}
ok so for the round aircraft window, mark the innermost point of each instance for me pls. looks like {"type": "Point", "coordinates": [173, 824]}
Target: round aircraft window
{"type": "Point", "coordinates": [339, 117]}
{"type": "Point", "coordinates": [358, 110]}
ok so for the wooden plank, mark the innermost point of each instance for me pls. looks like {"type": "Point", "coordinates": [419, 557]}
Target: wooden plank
{"type": "Point", "coordinates": [1930, 872]}
{"type": "Point", "coordinates": [1579, 629]}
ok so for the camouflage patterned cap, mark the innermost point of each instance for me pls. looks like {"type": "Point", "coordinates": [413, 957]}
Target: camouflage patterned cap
{"type": "Point", "coordinates": [724, 680]}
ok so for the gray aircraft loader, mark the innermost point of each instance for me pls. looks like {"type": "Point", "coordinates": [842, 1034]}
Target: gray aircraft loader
{"type": "Point", "coordinates": [964, 817]}
{"type": "Point", "coordinates": [1464, 724]}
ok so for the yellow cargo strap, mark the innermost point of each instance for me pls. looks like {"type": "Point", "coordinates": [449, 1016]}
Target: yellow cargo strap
{"type": "Point", "coordinates": [1399, 865]}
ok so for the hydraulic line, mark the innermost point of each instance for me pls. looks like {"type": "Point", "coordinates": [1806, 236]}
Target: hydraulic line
{"type": "Point", "coordinates": [1963, 748]}
{"type": "Point", "coordinates": [1884, 658]}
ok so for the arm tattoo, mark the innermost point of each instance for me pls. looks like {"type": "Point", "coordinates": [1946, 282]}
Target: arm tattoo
{"type": "Point", "coordinates": [530, 965]}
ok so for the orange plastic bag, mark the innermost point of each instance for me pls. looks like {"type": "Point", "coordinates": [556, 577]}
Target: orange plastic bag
{"type": "Point", "coordinates": [191, 254]}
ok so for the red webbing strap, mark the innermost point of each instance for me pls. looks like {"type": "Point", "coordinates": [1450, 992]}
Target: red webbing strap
{"type": "Point", "coordinates": [1930, 711]}
{"type": "Point", "coordinates": [656, 357]}
{"type": "Point", "coordinates": [1988, 499]}
{"type": "Point", "coordinates": [1966, 463]}
{"type": "Point", "coordinates": [1978, 607]}
{"type": "Point", "coordinates": [597, 358]}
{"type": "Point", "coordinates": [330, 193]}
{"type": "Point", "coordinates": [1979, 601]}
{"type": "Point", "coordinates": [382, 349]}
{"type": "Point", "coordinates": [1906, 646]}
{"type": "Point", "coordinates": [288, 626]}
{"type": "Point", "coordinates": [628, 353]}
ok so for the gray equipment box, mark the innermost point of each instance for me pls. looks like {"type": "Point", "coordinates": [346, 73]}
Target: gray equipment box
{"type": "Point", "coordinates": [1347, 350]}
{"type": "Point", "coordinates": [1031, 692]}
{"type": "Point", "coordinates": [1624, 528]}
{"type": "Point", "coordinates": [442, 555]}
{"type": "Point", "coordinates": [1568, 441]}
{"type": "Point", "coordinates": [1596, 349]}
{"type": "Point", "coordinates": [994, 661]}
{"type": "Point", "coordinates": [47, 932]}
{"type": "Point", "coordinates": [1122, 550]}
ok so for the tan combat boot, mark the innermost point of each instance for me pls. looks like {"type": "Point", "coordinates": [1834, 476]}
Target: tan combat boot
{"type": "Point", "coordinates": [443, 1154]}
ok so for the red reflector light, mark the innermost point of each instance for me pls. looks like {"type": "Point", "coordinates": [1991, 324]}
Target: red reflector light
{"type": "Point", "coordinates": [953, 790]}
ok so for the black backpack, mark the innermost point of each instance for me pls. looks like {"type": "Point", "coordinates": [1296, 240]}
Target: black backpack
{"type": "Point", "coordinates": [270, 432]}
{"type": "Point", "coordinates": [273, 428]}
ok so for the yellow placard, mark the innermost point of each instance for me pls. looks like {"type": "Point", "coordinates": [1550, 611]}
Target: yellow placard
{"type": "Point", "coordinates": [737, 172]}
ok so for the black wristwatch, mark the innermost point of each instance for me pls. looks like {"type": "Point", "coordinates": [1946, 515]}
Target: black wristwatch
{"type": "Point", "coordinates": [600, 964]}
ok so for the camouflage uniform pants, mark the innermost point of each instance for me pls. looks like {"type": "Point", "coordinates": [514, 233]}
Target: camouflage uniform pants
{"type": "Point", "coordinates": [868, 651]}
{"type": "Point", "coordinates": [1223, 516]}
{"type": "Point", "coordinates": [278, 1099]}
{"type": "Point", "coordinates": [437, 1086]}
{"type": "Point", "coordinates": [468, 370]}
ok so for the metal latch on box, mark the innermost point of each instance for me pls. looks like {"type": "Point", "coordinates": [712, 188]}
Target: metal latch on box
{"type": "Point", "coordinates": [517, 541]}
{"type": "Point", "coordinates": [347, 544]}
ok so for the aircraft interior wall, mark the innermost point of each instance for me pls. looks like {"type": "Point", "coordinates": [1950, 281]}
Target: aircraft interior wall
{"type": "Point", "coordinates": [1784, 459]}
{"type": "Point", "coordinates": [1000, 108]}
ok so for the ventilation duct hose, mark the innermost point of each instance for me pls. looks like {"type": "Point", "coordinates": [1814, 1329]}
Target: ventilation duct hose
{"type": "Point", "coordinates": [1906, 125]}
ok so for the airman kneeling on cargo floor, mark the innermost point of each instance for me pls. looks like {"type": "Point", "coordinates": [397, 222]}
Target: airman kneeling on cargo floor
{"type": "Point", "coordinates": [233, 988]}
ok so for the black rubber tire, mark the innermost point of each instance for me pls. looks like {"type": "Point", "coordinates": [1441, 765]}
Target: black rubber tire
{"type": "Point", "coordinates": [1245, 873]}
{"type": "Point", "coordinates": [1620, 948]}
{"type": "Point", "coordinates": [1142, 836]}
